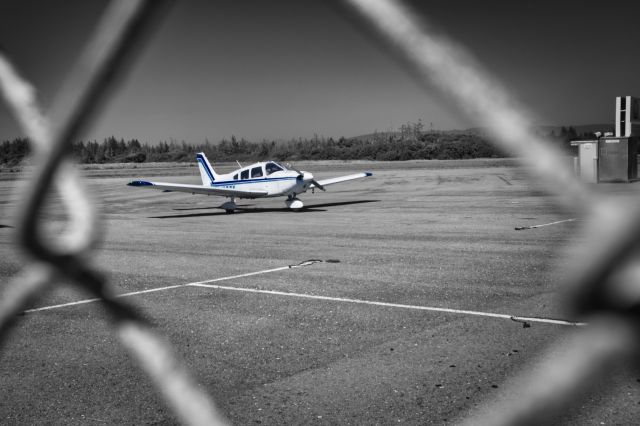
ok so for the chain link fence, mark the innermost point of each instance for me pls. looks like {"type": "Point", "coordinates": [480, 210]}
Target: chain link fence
{"type": "Point", "coordinates": [601, 285]}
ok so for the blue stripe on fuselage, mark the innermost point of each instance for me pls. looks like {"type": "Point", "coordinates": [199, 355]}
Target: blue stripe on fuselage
{"type": "Point", "coordinates": [241, 182]}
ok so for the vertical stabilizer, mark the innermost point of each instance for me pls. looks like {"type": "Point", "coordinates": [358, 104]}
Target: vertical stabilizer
{"type": "Point", "coordinates": [207, 174]}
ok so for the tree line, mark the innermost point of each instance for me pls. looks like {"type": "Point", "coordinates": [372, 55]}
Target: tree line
{"type": "Point", "coordinates": [410, 142]}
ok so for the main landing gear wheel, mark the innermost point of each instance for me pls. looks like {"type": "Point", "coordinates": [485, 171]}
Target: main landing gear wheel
{"type": "Point", "coordinates": [229, 206]}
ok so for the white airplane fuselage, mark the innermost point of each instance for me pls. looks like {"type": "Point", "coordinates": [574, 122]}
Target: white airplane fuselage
{"type": "Point", "coordinates": [275, 185]}
{"type": "Point", "coordinates": [268, 177]}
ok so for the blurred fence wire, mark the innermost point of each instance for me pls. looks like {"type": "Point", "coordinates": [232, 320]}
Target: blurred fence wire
{"type": "Point", "coordinates": [601, 285]}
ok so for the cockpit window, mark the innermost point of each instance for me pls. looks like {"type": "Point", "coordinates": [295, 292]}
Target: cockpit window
{"type": "Point", "coordinates": [244, 174]}
{"type": "Point", "coordinates": [235, 177]}
{"type": "Point", "coordinates": [272, 168]}
{"type": "Point", "coordinates": [256, 172]}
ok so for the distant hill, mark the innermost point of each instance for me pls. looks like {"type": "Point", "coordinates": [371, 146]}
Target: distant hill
{"type": "Point", "coordinates": [547, 129]}
{"type": "Point", "coordinates": [580, 129]}
{"type": "Point", "coordinates": [398, 134]}
{"type": "Point", "coordinates": [385, 134]}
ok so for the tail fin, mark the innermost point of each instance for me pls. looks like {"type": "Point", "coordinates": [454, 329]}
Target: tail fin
{"type": "Point", "coordinates": [206, 171]}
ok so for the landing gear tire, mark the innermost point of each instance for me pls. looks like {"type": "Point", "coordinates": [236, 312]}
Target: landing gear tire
{"type": "Point", "coordinates": [229, 206]}
{"type": "Point", "coordinates": [229, 211]}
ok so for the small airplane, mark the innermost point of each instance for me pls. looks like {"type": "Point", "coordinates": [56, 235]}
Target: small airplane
{"type": "Point", "coordinates": [259, 180]}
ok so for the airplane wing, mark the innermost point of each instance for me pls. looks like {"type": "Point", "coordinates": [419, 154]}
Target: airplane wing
{"type": "Point", "coordinates": [339, 179]}
{"type": "Point", "coordinates": [198, 189]}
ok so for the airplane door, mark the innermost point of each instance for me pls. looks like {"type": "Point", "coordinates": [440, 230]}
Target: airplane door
{"type": "Point", "coordinates": [258, 173]}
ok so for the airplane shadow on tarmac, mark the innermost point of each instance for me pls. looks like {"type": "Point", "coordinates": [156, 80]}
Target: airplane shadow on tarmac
{"type": "Point", "coordinates": [241, 209]}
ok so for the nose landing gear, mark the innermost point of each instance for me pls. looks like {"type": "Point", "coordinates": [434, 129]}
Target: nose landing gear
{"type": "Point", "coordinates": [293, 203]}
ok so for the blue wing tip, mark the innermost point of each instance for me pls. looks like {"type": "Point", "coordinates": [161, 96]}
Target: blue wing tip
{"type": "Point", "coordinates": [140, 183]}
{"type": "Point", "coordinates": [368, 174]}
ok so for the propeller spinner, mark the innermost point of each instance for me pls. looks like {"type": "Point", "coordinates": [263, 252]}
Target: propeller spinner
{"type": "Point", "coordinates": [307, 177]}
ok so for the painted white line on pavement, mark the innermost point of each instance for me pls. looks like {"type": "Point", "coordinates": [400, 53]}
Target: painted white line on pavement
{"type": "Point", "coordinates": [133, 293]}
{"type": "Point", "coordinates": [391, 305]}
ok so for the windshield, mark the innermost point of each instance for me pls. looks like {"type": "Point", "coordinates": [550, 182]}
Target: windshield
{"type": "Point", "coordinates": [272, 167]}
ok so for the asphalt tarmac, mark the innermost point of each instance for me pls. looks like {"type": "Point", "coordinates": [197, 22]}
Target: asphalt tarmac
{"type": "Point", "coordinates": [377, 333]}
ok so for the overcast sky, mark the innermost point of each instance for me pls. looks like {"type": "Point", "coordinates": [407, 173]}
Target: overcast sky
{"type": "Point", "coordinates": [284, 69]}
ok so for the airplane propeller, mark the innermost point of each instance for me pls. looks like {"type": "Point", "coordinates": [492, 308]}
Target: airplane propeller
{"type": "Point", "coordinates": [317, 184]}
{"type": "Point", "coordinates": [309, 177]}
